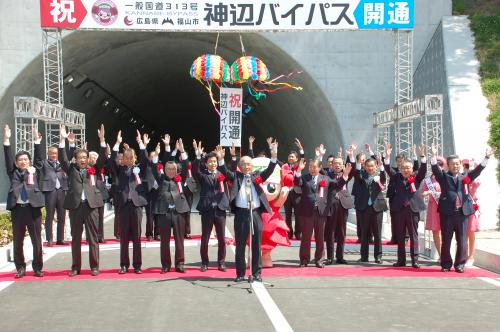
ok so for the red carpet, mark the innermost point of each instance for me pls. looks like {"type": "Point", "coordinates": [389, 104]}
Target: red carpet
{"type": "Point", "coordinates": [197, 237]}
{"type": "Point", "coordinates": [279, 271]}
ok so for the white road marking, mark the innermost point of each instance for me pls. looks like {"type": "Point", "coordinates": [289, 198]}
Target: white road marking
{"type": "Point", "coordinates": [492, 281]}
{"type": "Point", "coordinates": [273, 312]}
{"type": "Point", "coordinates": [5, 284]}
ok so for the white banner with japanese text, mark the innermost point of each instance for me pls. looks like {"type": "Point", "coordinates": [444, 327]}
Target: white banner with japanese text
{"type": "Point", "coordinates": [231, 105]}
{"type": "Point", "coordinates": [227, 15]}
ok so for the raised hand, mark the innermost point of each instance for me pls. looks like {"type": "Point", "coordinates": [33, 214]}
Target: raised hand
{"type": "Point", "coordinates": [339, 154]}
{"type": "Point", "coordinates": [158, 149]}
{"type": "Point", "coordinates": [84, 146]}
{"type": "Point", "coordinates": [269, 141]}
{"type": "Point", "coordinates": [119, 138]}
{"type": "Point", "coordinates": [146, 139]}
{"type": "Point", "coordinates": [181, 145]}
{"type": "Point", "coordinates": [414, 150]}
{"type": "Point", "coordinates": [177, 145]}
{"type": "Point", "coordinates": [367, 147]}
{"type": "Point", "coordinates": [108, 150]}
{"type": "Point", "coordinates": [347, 169]}
{"type": "Point", "coordinates": [126, 146]}
{"type": "Point", "coordinates": [354, 146]}
{"type": "Point", "coordinates": [36, 135]}
{"type": "Point", "coordinates": [220, 152]}
{"type": "Point", "coordinates": [71, 138]}
{"type": "Point", "coordinates": [421, 150]}
{"type": "Point", "coordinates": [101, 134]}
{"type": "Point", "coordinates": [379, 158]}
{"type": "Point", "coordinates": [350, 152]}
{"type": "Point", "coordinates": [298, 144]}
{"type": "Point", "coordinates": [6, 133]}
{"type": "Point", "coordinates": [322, 149]}
{"type": "Point", "coordinates": [434, 150]}
{"type": "Point", "coordinates": [198, 149]}
{"type": "Point", "coordinates": [388, 150]}
{"type": "Point", "coordinates": [251, 139]}
{"type": "Point", "coordinates": [490, 152]}
{"type": "Point", "coordinates": [138, 137]}
{"type": "Point", "coordinates": [232, 150]}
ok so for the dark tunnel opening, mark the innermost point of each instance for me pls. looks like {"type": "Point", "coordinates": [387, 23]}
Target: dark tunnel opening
{"type": "Point", "coordinates": [146, 76]}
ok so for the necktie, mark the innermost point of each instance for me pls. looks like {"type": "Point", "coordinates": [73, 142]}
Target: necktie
{"type": "Point", "coordinates": [370, 180]}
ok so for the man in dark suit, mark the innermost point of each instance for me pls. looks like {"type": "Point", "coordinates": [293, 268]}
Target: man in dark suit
{"type": "Point", "coordinates": [53, 184]}
{"type": "Point", "coordinates": [212, 205]}
{"type": "Point", "coordinates": [82, 200]}
{"type": "Point", "coordinates": [152, 229]}
{"type": "Point", "coordinates": [248, 197]}
{"type": "Point", "coordinates": [455, 205]}
{"type": "Point", "coordinates": [370, 201]}
{"type": "Point", "coordinates": [112, 194]}
{"type": "Point", "coordinates": [390, 189]}
{"type": "Point", "coordinates": [293, 198]}
{"type": "Point", "coordinates": [101, 185]}
{"type": "Point", "coordinates": [340, 202]}
{"type": "Point", "coordinates": [170, 210]}
{"type": "Point", "coordinates": [360, 158]}
{"type": "Point", "coordinates": [406, 204]}
{"type": "Point", "coordinates": [316, 190]}
{"type": "Point", "coordinates": [130, 198]}
{"type": "Point", "coordinates": [25, 201]}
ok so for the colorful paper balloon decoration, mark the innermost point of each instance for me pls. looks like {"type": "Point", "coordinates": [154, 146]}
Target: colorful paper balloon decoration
{"type": "Point", "coordinates": [210, 70]}
{"type": "Point", "coordinates": [254, 72]}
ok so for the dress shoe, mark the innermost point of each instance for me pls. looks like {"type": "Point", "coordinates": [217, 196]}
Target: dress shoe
{"type": "Point", "coordinates": [188, 236]}
{"type": "Point", "coordinates": [363, 260]}
{"type": "Point", "coordinates": [445, 270]}
{"type": "Point", "coordinates": [239, 279]}
{"type": "Point", "coordinates": [123, 270]}
{"type": "Point", "coordinates": [102, 241]}
{"type": "Point", "coordinates": [94, 272]}
{"type": "Point", "coordinates": [180, 268]}
{"type": "Point", "coordinates": [61, 243]}
{"type": "Point", "coordinates": [222, 267]}
{"type": "Point", "coordinates": [38, 274]}
{"type": "Point", "coordinates": [257, 278]}
{"type": "Point", "coordinates": [74, 273]}
{"type": "Point", "coordinates": [164, 270]}
{"type": "Point", "coordinates": [138, 270]}
{"type": "Point", "coordinates": [303, 264]}
{"type": "Point", "coordinates": [320, 265]}
{"type": "Point", "coordinates": [49, 243]}
{"type": "Point", "coordinates": [20, 273]}
{"type": "Point", "coordinates": [341, 261]}
{"type": "Point", "coordinates": [378, 261]}
{"type": "Point", "coordinates": [117, 237]}
{"type": "Point", "coordinates": [358, 241]}
{"type": "Point", "coordinates": [399, 264]}
{"type": "Point", "coordinates": [203, 268]}
{"type": "Point", "coordinates": [150, 238]}
{"type": "Point", "coordinates": [459, 269]}
{"type": "Point", "coordinates": [328, 261]}
{"type": "Point", "coordinates": [157, 238]}
{"type": "Point", "coordinates": [415, 265]}
{"type": "Point", "coordinates": [392, 242]}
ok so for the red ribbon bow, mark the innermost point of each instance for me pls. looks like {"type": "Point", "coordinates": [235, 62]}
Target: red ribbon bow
{"type": "Point", "coordinates": [322, 183]}
{"type": "Point", "coordinates": [294, 168]}
{"type": "Point", "coordinates": [411, 181]}
{"type": "Point", "coordinates": [91, 171]}
{"type": "Point", "coordinates": [221, 179]}
{"type": "Point", "coordinates": [476, 206]}
{"type": "Point", "coordinates": [467, 181]}
{"type": "Point", "coordinates": [177, 179]}
{"type": "Point", "coordinates": [159, 167]}
{"type": "Point", "coordinates": [257, 180]}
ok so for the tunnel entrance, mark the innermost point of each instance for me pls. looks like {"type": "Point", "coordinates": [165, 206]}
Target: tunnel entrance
{"type": "Point", "coordinates": [136, 79]}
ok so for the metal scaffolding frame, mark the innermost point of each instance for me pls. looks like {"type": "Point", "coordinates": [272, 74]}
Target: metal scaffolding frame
{"type": "Point", "coordinates": [53, 66]}
{"type": "Point", "coordinates": [30, 111]}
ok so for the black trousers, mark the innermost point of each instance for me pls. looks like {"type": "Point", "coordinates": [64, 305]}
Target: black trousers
{"type": "Point", "coordinates": [291, 207]}
{"type": "Point", "coordinates": [188, 222]}
{"type": "Point", "coordinates": [54, 201]}
{"type": "Point", "coordinates": [359, 226]}
{"type": "Point", "coordinates": [371, 220]}
{"type": "Point", "coordinates": [130, 217]}
{"type": "Point", "coordinates": [335, 230]}
{"type": "Point", "coordinates": [457, 224]}
{"type": "Point", "coordinates": [116, 222]}
{"type": "Point", "coordinates": [151, 221]}
{"type": "Point", "coordinates": [394, 229]}
{"type": "Point", "coordinates": [166, 222]}
{"type": "Point", "coordinates": [84, 215]}
{"type": "Point", "coordinates": [29, 218]}
{"type": "Point", "coordinates": [406, 221]}
{"type": "Point", "coordinates": [241, 232]}
{"type": "Point", "coordinates": [209, 219]}
{"type": "Point", "coordinates": [316, 223]}
{"type": "Point", "coordinates": [100, 227]}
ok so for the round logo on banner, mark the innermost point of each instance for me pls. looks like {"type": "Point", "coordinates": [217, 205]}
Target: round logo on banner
{"type": "Point", "coordinates": [104, 12]}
